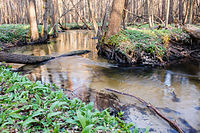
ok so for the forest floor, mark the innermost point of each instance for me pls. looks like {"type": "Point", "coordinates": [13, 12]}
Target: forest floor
{"type": "Point", "coordinates": [18, 34]}
{"type": "Point", "coordinates": [151, 47]}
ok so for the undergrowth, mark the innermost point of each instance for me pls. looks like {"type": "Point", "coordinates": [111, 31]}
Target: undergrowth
{"type": "Point", "coordinates": [11, 33]}
{"type": "Point", "coordinates": [144, 39]}
{"type": "Point", "coordinates": [27, 106]}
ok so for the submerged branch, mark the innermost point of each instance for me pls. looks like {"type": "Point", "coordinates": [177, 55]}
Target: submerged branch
{"type": "Point", "coordinates": [173, 124]}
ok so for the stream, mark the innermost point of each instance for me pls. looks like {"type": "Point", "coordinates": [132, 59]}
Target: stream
{"type": "Point", "coordinates": [175, 90]}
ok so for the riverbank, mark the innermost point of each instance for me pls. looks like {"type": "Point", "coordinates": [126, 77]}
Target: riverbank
{"type": "Point", "coordinates": [152, 47]}
{"type": "Point", "coordinates": [28, 106]}
{"type": "Point", "coordinates": [12, 35]}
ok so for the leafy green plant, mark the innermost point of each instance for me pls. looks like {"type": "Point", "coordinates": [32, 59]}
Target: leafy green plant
{"type": "Point", "coordinates": [11, 33]}
{"type": "Point", "coordinates": [27, 106]}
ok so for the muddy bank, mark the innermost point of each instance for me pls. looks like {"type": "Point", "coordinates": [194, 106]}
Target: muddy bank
{"type": "Point", "coordinates": [177, 51]}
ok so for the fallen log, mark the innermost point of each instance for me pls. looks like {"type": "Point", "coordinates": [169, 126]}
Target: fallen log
{"type": "Point", "coordinates": [173, 124]}
{"type": "Point", "coordinates": [193, 31]}
{"type": "Point", "coordinates": [29, 59]}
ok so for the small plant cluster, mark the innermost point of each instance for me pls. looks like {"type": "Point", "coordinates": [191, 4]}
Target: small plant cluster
{"type": "Point", "coordinates": [12, 33]}
{"type": "Point", "coordinates": [117, 39]}
{"type": "Point", "coordinates": [146, 42]}
{"type": "Point", "coordinates": [130, 40]}
{"type": "Point", "coordinates": [27, 106]}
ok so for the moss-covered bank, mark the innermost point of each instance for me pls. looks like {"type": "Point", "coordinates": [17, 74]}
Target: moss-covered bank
{"type": "Point", "coordinates": [144, 46]}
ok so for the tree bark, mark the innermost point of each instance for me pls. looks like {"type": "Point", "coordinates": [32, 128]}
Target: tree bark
{"type": "Point", "coordinates": [116, 17]}
{"type": "Point", "coordinates": [150, 12]}
{"type": "Point", "coordinates": [191, 11]}
{"type": "Point", "coordinates": [181, 11]}
{"type": "Point", "coordinates": [23, 59]}
{"type": "Point", "coordinates": [125, 14]}
{"type": "Point", "coordinates": [171, 14]}
{"type": "Point", "coordinates": [29, 59]}
{"type": "Point", "coordinates": [33, 21]}
{"type": "Point", "coordinates": [167, 13]}
{"type": "Point", "coordinates": [92, 16]}
{"type": "Point", "coordinates": [44, 33]}
{"type": "Point", "coordinates": [52, 5]}
{"type": "Point", "coordinates": [146, 9]}
{"type": "Point", "coordinates": [193, 31]}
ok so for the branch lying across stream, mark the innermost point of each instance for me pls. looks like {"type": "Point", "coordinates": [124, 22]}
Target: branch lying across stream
{"type": "Point", "coordinates": [29, 59]}
{"type": "Point", "coordinates": [173, 124]}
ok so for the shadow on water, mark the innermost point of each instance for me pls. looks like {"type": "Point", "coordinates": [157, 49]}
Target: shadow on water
{"type": "Point", "coordinates": [174, 90]}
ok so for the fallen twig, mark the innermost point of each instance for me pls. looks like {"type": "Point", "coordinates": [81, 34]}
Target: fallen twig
{"type": "Point", "coordinates": [173, 124]}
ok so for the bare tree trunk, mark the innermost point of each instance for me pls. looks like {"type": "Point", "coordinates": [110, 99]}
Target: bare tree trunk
{"type": "Point", "coordinates": [44, 33]}
{"type": "Point", "coordinates": [146, 9]}
{"type": "Point", "coordinates": [52, 5]}
{"type": "Point", "coordinates": [29, 59]}
{"type": "Point", "coordinates": [171, 15]}
{"type": "Point", "coordinates": [92, 16]}
{"type": "Point", "coordinates": [167, 13]}
{"type": "Point", "coordinates": [104, 22]}
{"type": "Point", "coordinates": [187, 12]}
{"type": "Point", "coordinates": [191, 11]}
{"type": "Point", "coordinates": [33, 21]}
{"type": "Point", "coordinates": [150, 12]}
{"type": "Point", "coordinates": [78, 15]}
{"type": "Point", "coordinates": [181, 11]}
{"type": "Point", "coordinates": [116, 17]}
{"type": "Point", "coordinates": [125, 14]}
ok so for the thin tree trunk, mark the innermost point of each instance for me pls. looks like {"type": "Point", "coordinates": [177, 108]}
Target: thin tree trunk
{"type": "Point", "coordinates": [150, 14]}
{"type": "Point", "coordinates": [33, 21]}
{"type": "Point", "coordinates": [167, 13]}
{"type": "Point", "coordinates": [53, 18]}
{"type": "Point", "coordinates": [104, 22]}
{"type": "Point", "coordinates": [171, 15]}
{"type": "Point", "coordinates": [44, 33]}
{"type": "Point", "coordinates": [187, 12]}
{"type": "Point", "coordinates": [191, 11]}
{"type": "Point", "coordinates": [146, 9]}
{"type": "Point", "coordinates": [125, 14]}
{"type": "Point", "coordinates": [181, 11]}
{"type": "Point", "coordinates": [92, 16]}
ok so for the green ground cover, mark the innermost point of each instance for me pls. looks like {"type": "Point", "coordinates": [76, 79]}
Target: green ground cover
{"type": "Point", "coordinates": [144, 39]}
{"type": "Point", "coordinates": [11, 33]}
{"type": "Point", "coordinates": [27, 106]}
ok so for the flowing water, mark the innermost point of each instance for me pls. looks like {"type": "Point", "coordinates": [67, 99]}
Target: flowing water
{"type": "Point", "coordinates": [175, 90]}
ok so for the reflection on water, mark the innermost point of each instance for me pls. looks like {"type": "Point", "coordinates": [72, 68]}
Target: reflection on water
{"type": "Point", "coordinates": [175, 90]}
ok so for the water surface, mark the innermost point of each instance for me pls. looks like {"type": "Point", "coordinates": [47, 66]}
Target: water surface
{"type": "Point", "coordinates": [175, 90]}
